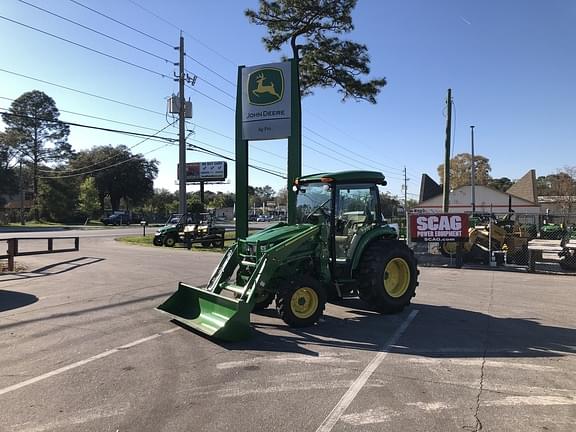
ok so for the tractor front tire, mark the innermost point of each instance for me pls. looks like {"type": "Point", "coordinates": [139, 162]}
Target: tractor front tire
{"type": "Point", "coordinates": [263, 300]}
{"type": "Point", "coordinates": [388, 276]}
{"type": "Point", "coordinates": [157, 241]}
{"type": "Point", "coordinates": [301, 302]}
{"type": "Point", "coordinates": [170, 241]}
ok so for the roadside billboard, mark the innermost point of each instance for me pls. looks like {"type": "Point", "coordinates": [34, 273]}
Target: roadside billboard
{"type": "Point", "coordinates": [439, 227]}
{"type": "Point", "coordinates": [206, 171]}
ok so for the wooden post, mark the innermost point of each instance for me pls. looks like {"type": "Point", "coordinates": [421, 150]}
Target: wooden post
{"type": "Point", "coordinates": [12, 251]}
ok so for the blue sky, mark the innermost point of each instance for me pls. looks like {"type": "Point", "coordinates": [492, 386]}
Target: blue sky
{"type": "Point", "coordinates": [511, 66]}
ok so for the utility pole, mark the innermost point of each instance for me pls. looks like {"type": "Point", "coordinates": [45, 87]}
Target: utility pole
{"type": "Point", "coordinates": [406, 207]}
{"type": "Point", "coordinates": [473, 169]}
{"type": "Point", "coordinates": [446, 202]}
{"type": "Point", "coordinates": [22, 222]}
{"type": "Point", "coordinates": [182, 131]}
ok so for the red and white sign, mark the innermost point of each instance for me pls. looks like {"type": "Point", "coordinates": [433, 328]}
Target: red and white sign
{"type": "Point", "coordinates": [439, 227]}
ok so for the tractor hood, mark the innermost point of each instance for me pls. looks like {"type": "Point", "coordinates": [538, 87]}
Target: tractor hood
{"type": "Point", "coordinates": [277, 233]}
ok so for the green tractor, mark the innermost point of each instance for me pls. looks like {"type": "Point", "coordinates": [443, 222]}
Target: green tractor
{"type": "Point", "coordinates": [340, 247]}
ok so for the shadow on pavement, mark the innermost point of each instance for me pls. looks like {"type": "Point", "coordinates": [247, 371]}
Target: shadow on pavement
{"type": "Point", "coordinates": [13, 300]}
{"type": "Point", "coordinates": [81, 312]}
{"type": "Point", "coordinates": [51, 269]}
{"type": "Point", "coordinates": [437, 331]}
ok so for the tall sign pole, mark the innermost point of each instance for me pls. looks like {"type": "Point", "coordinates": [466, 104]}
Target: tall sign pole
{"type": "Point", "coordinates": [182, 132]}
{"type": "Point", "coordinates": [446, 202]}
{"type": "Point", "coordinates": [241, 207]}
{"type": "Point", "coordinates": [473, 176]}
{"type": "Point", "coordinates": [294, 141]}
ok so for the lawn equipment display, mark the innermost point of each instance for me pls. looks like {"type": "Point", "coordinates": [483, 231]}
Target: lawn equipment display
{"type": "Point", "coordinates": [339, 247]}
{"type": "Point", "coordinates": [188, 229]}
{"type": "Point", "coordinates": [489, 235]}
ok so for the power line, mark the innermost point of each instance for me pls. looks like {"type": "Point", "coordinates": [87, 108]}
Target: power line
{"type": "Point", "coordinates": [136, 134]}
{"type": "Point", "coordinates": [342, 131]}
{"type": "Point", "coordinates": [258, 168]}
{"type": "Point", "coordinates": [110, 99]}
{"type": "Point", "coordinates": [346, 162]}
{"type": "Point", "coordinates": [155, 39]}
{"type": "Point", "coordinates": [122, 24]}
{"type": "Point", "coordinates": [105, 168]}
{"type": "Point", "coordinates": [212, 85]}
{"type": "Point", "coordinates": [95, 117]}
{"type": "Point", "coordinates": [112, 157]}
{"type": "Point", "coordinates": [85, 47]}
{"type": "Point", "coordinates": [211, 70]}
{"type": "Point", "coordinates": [81, 91]}
{"type": "Point", "coordinates": [230, 152]}
{"type": "Point", "coordinates": [97, 32]}
{"type": "Point", "coordinates": [346, 149]}
{"type": "Point", "coordinates": [342, 154]}
{"type": "Point", "coordinates": [164, 20]}
{"type": "Point", "coordinates": [211, 98]}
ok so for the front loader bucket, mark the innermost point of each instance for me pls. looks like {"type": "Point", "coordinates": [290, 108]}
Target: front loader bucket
{"type": "Point", "coordinates": [210, 313]}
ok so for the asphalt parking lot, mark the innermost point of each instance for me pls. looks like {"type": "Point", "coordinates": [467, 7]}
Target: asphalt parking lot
{"type": "Point", "coordinates": [82, 348]}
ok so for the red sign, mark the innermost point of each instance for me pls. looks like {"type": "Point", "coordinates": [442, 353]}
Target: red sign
{"type": "Point", "coordinates": [439, 227]}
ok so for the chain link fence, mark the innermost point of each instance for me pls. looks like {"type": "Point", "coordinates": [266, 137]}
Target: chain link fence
{"type": "Point", "coordinates": [519, 242]}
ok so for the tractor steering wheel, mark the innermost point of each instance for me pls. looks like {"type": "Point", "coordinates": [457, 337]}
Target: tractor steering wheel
{"type": "Point", "coordinates": [320, 209]}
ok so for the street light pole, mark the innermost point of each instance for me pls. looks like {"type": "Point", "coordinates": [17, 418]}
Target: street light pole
{"type": "Point", "coordinates": [473, 177]}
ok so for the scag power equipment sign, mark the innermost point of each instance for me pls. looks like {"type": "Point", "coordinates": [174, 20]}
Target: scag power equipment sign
{"type": "Point", "coordinates": [439, 227]}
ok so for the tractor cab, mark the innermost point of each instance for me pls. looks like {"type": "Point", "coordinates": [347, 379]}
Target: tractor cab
{"type": "Point", "coordinates": [348, 204]}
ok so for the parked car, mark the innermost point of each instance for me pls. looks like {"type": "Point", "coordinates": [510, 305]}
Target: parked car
{"type": "Point", "coordinates": [263, 218]}
{"type": "Point", "coordinates": [116, 219]}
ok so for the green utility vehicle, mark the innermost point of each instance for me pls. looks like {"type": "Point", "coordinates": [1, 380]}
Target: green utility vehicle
{"type": "Point", "coordinates": [340, 247]}
{"type": "Point", "coordinates": [189, 229]}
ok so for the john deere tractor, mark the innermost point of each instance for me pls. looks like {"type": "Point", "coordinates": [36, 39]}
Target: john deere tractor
{"type": "Point", "coordinates": [339, 247]}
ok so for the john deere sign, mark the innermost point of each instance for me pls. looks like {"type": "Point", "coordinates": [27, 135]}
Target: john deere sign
{"type": "Point", "coordinates": [266, 101]}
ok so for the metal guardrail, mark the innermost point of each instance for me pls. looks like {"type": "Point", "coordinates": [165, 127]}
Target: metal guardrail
{"type": "Point", "coordinates": [13, 248]}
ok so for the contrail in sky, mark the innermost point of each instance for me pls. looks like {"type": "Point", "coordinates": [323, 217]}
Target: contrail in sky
{"type": "Point", "coordinates": [465, 20]}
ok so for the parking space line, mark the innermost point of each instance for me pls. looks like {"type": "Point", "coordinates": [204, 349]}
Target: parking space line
{"type": "Point", "coordinates": [353, 391]}
{"type": "Point", "coordinates": [83, 362]}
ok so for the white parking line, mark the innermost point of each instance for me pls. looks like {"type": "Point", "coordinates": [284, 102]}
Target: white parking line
{"type": "Point", "coordinates": [83, 362]}
{"type": "Point", "coordinates": [349, 396]}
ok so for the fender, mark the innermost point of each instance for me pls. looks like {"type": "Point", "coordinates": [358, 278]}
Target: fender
{"type": "Point", "coordinates": [383, 232]}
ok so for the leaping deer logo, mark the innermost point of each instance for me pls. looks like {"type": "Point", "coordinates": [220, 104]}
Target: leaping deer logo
{"type": "Point", "coordinates": [264, 88]}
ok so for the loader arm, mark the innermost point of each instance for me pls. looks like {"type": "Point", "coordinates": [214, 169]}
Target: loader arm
{"type": "Point", "coordinates": [222, 309]}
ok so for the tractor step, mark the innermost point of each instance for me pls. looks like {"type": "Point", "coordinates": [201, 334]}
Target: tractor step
{"type": "Point", "coordinates": [236, 289]}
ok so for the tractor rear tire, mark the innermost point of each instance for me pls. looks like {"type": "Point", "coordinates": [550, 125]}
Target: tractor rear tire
{"type": "Point", "coordinates": [301, 302]}
{"type": "Point", "coordinates": [388, 276]}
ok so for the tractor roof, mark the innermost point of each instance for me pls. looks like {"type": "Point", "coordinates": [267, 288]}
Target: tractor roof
{"type": "Point", "coordinates": [345, 177]}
